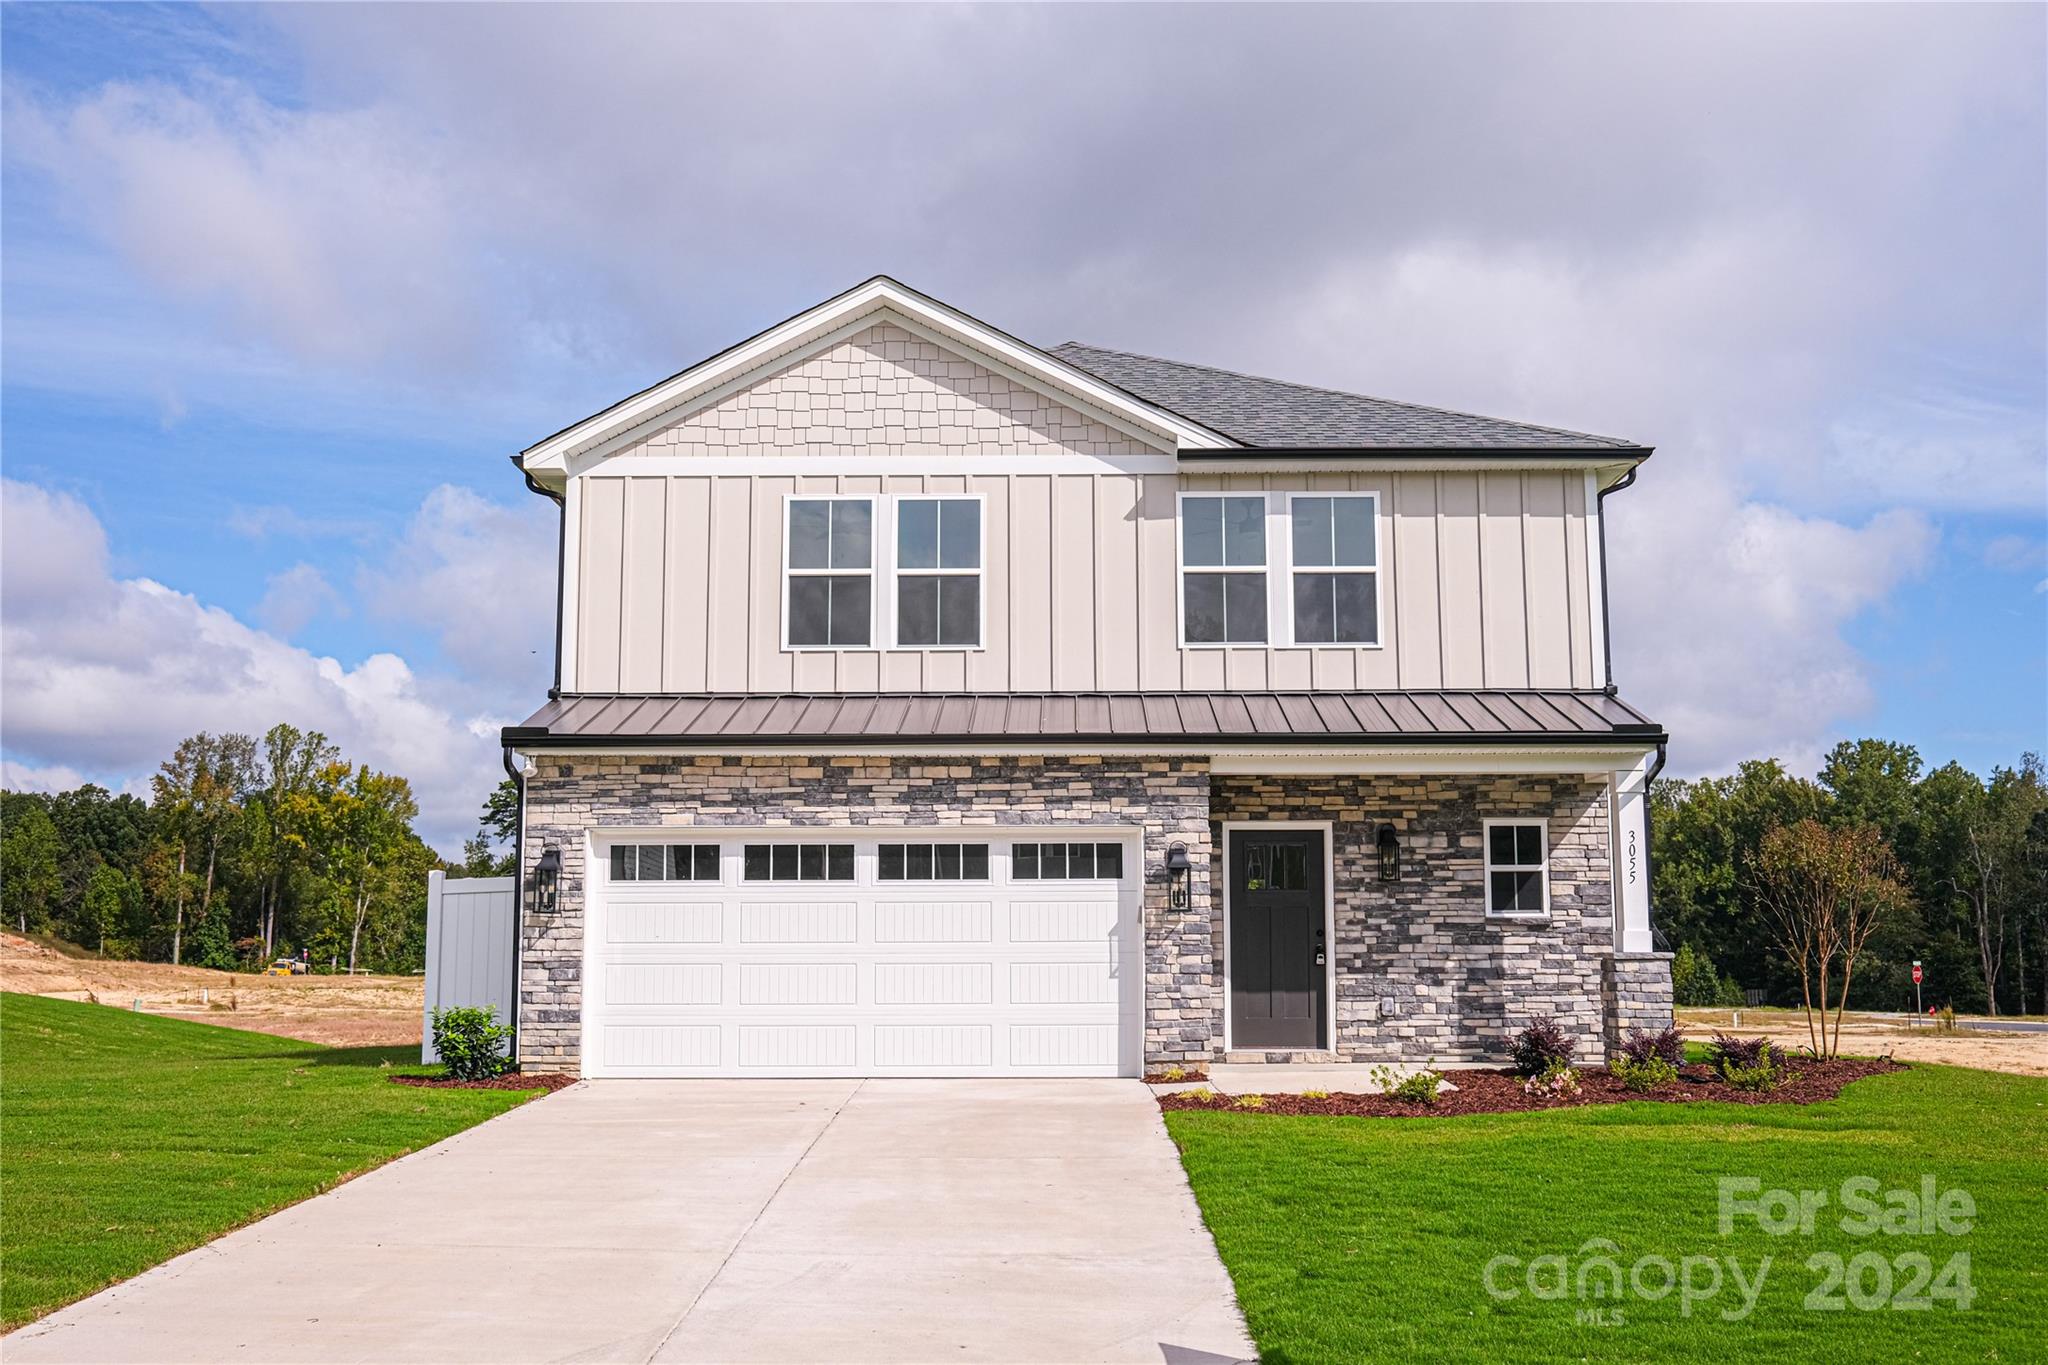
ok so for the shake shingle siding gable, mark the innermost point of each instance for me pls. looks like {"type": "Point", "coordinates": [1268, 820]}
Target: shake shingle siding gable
{"type": "Point", "coordinates": [1273, 413]}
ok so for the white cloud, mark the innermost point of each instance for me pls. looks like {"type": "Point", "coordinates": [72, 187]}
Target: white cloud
{"type": "Point", "coordinates": [1729, 615]}
{"type": "Point", "coordinates": [1798, 249]}
{"type": "Point", "coordinates": [294, 598]}
{"type": "Point", "coordinates": [481, 577]}
{"type": "Point", "coordinates": [2016, 554]}
{"type": "Point", "coordinates": [104, 675]}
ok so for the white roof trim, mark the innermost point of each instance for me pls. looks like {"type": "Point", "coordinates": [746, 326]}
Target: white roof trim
{"type": "Point", "coordinates": [668, 401]}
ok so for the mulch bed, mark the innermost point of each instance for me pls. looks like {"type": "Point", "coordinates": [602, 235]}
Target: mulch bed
{"type": "Point", "coordinates": [1500, 1092]}
{"type": "Point", "coordinates": [550, 1081]}
{"type": "Point", "coordinates": [1189, 1075]}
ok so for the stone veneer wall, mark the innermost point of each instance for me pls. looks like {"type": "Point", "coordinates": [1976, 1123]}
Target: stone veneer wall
{"type": "Point", "coordinates": [1169, 798]}
{"type": "Point", "coordinates": [1636, 991]}
{"type": "Point", "coordinates": [1421, 971]}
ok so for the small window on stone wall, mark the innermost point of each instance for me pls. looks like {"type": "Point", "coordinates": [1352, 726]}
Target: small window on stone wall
{"type": "Point", "coordinates": [1517, 868]}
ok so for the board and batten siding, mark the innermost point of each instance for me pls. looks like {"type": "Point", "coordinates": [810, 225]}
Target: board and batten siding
{"type": "Point", "coordinates": [678, 585]}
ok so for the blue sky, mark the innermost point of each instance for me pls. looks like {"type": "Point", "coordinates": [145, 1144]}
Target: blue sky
{"type": "Point", "coordinates": [283, 288]}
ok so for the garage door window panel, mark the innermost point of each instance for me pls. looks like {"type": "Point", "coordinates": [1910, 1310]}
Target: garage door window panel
{"type": "Point", "coordinates": [797, 862]}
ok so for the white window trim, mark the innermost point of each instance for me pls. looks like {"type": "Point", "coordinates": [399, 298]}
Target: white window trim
{"type": "Point", "coordinates": [1377, 570]}
{"type": "Point", "coordinates": [1486, 829]}
{"type": "Point", "coordinates": [896, 571]}
{"type": "Point", "coordinates": [874, 572]}
{"type": "Point", "coordinates": [1181, 569]}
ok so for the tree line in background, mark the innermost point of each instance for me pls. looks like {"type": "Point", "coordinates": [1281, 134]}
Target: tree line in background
{"type": "Point", "coordinates": [1761, 882]}
{"type": "Point", "coordinates": [247, 850]}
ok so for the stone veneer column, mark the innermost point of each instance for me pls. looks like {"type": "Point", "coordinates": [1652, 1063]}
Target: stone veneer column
{"type": "Point", "coordinates": [1636, 993]}
{"type": "Point", "coordinates": [568, 797]}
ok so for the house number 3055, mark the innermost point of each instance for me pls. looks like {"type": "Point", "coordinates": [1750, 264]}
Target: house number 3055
{"type": "Point", "coordinates": [1631, 857]}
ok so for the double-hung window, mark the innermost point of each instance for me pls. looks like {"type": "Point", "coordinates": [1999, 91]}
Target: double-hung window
{"type": "Point", "coordinates": [1517, 868]}
{"type": "Point", "coordinates": [1223, 569]}
{"type": "Point", "coordinates": [938, 573]}
{"type": "Point", "coordinates": [1336, 583]}
{"type": "Point", "coordinates": [829, 578]}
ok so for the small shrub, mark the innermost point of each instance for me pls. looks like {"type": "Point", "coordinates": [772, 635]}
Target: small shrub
{"type": "Point", "coordinates": [472, 1043]}
{"type": "Point", "coordinates": [1746, 1063]}
{"type": "Point", "coordinates": [1945, 1019]}
{"type": "Point", "coordinates": [1200, 1092]}
{"type": "Point", "coordinates": [1667, 1046]}
{"type": "Point", "coordinates": [1315, 1094]}
{"type": "Point", "coordinates": [1557, 1082]}
{"type": "Point", "coordinates": [1174, 1073]}
{"type": "Point", "coordinates": [1419, 1087]}
{"type": "Point", "coordinates": [1250, 1102]}
{"type": "Point", "coordinates": [1643, 1076]}
{"type": "Point", "coordinates": [1541, 1046]}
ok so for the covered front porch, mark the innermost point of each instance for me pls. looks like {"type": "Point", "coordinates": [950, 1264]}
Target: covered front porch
{"type": "Point", "coordinates": [1363, 914]}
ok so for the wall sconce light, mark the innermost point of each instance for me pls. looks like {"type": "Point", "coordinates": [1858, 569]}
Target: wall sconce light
{"type": "Point", "coordinates": [547, 876]}
{"type": "Point", "coordinates": [1390, 854]}
{"type": "Point", "coordinates": [1177, 877]}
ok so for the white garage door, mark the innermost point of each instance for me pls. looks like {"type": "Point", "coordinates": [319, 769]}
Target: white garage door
{"type": "Point", "coordinates": [903, 953]}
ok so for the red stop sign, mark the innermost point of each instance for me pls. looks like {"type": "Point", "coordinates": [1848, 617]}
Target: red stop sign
{"type": "Point", "coordinates": [1916, 973]}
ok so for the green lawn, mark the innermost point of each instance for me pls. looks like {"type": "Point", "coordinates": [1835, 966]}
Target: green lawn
{"type": "Point", "coordinates": [1355, 1239]}
{"type": "Point", "coordinates": [126, 1139]}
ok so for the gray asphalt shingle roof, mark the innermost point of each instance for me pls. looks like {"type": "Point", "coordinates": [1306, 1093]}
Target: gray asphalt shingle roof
{"type": "Point", "coordinates": [1291, 718]}
{"type": "Point", "coordinates": [1273, 412]}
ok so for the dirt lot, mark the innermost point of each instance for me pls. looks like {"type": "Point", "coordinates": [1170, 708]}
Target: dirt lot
{"type": "Point", "coordinates": [2024, 1054]}
{"type": "Point", "coordinates": [352, 1011]}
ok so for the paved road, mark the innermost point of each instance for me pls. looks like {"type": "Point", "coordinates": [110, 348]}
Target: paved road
{"type": "Point", "coordinates": [2005, 1025]}
{"type": "Point", "coordinates": [718, 1220]}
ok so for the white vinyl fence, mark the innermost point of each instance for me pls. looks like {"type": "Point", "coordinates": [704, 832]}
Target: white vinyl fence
{"type": "Point", "coordinates": [472, 947]}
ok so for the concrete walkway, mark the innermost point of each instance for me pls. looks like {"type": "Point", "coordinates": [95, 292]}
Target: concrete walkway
{"type": "Point", "coordinates": [717, 1221]}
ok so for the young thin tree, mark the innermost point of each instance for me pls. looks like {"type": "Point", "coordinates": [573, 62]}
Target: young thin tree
{"type": "Point", "coordinates": [1822, 893]}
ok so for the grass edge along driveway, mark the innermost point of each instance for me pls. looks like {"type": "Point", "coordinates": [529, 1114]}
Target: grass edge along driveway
{"type": "Point", "coordinates": [1354, 1239]}
{"type": "Point", "coordinates": [126, 1139]}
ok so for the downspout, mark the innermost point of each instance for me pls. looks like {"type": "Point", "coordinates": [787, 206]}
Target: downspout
{"type": "Point", "coordinates": [562, 549]}
{"type": "Point", "coordinates": [1606, 597]}
{"type": "Point", "coordinates": [518, 776]}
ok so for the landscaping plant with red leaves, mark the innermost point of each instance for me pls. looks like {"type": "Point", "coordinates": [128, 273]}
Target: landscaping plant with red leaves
{"type": "Point", "coordinates": [1500, 1092]}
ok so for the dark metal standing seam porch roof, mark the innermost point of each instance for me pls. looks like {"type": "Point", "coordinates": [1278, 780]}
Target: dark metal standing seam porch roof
{"type": "Point", "coordinates": [1291, 719]}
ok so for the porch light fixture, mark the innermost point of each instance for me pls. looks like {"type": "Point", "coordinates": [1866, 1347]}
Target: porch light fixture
{"type": "Point", "coordinates": [547, 875]}
{"type": "Point", "coordinates": [1390, 854]}
{"type": "Point", "coordinates": [1177, 877]}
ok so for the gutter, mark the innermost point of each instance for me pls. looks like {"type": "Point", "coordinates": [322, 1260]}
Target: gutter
{"type": "Point", "coordinates": [1606, 597]}
{"type": "Point", "coordinates": [1592, 454]}
{"type": "Point", "coordinates": [534, 737]}
{"type": "Point", "coordinates": [561, 550]}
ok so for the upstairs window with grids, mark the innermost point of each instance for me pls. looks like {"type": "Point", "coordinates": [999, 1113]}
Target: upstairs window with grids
{"type": "Point", "coordinates": [938, 573]}
{"type": "Point", "coordinates": [1223, 570]}
{"type": "Point", "coordinates": [829, 573]}
{"type": "Point", "coordinates": [1334, 544]}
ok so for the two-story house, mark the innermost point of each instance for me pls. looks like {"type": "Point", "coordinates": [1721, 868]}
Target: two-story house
{"type": "Point", "coordinates": [932, 704]}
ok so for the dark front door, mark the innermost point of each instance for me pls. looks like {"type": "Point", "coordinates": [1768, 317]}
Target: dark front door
{"type": "Point", "coordinates": [1276, 961]}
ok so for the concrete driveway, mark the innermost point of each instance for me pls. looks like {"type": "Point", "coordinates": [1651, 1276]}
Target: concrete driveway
{"type": "Point", "coordinates": [718, 1221]}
